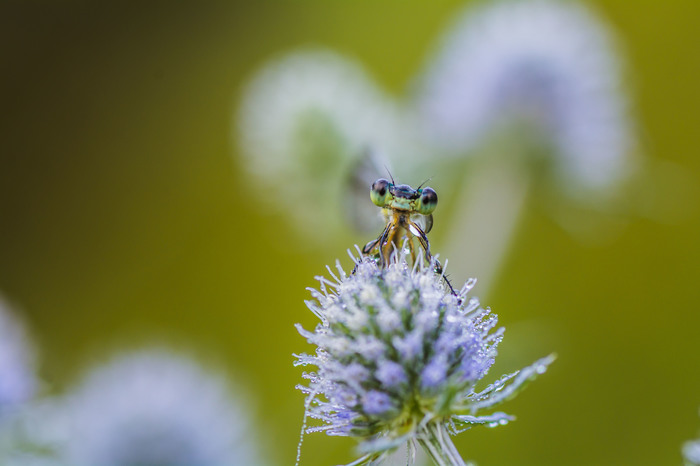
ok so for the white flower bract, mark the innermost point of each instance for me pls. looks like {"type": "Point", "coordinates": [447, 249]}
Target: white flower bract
{"type": "Point", "coordinates": [413, 362]}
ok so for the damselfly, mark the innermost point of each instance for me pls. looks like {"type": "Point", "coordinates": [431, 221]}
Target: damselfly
{"type": "Point", "coordinates": [409, 214]}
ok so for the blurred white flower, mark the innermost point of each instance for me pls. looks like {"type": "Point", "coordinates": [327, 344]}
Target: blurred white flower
{"type": "Point", "coordinates": [544, 63]}
{"type": "Point", "coordinates": [18, 381]}
{"type": "Point", "coordinates": [517, 88]}
{"type": "Point", "coordinates": [525, 89]}
{"type": "Point", "coordinates": [155, 408]}
{"type": "Point", "coordinates": [691, 452]}
{"type": "Point", "coordinates": [305, 121]}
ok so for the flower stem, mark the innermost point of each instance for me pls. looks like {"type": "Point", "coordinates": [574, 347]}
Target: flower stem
{"type": "Point", "coordinates": [489, 208]}
{"type": "Point", "coordinates": [437, 443]}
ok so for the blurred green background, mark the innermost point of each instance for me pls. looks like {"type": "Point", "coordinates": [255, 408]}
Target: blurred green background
{"type": "Point", "coordinates": [125, 218]}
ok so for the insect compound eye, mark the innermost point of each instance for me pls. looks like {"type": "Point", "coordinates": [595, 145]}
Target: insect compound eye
{"type": "Point", "coordinates": [427, 202]}
{"type": "Point", "coordinates": [379, 192]}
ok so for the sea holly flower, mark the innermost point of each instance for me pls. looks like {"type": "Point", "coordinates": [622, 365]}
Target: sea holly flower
{"type": "Point", "coordinates": [18, 381]}
{"type": "Point", "coordinates": [399, 357]}
{"type": "Point", "coordinates": [306, 124]}
{"type": "Point", "coordinates": [153, 407]}
{"type": "Point", "coordinates": [527, 97]}
{"type": "Point", "coordinates": [691, 452]}
{"type": "Point", "coordinates": [545, 65]}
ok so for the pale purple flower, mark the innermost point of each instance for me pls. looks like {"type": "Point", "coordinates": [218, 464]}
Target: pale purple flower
{"type": "Point", "coordinates": [691, 452]}
{"type": "Point", "coordinates": [154, 407]}
{"type": "Point", "coordinates": [18, 381]}
{"type": "Point", "coordinates": [390, 374]}
{"type": "Point", "coordinates": [549, 66]}
{"type": "Point", "coordinates": [425, 377]}
{"type": "Point", "coordinates": [434, 374]}
{"type": "Point", "coordinates": [376, 403]}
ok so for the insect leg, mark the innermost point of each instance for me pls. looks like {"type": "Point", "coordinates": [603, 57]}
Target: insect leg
{"type": "Point", "coordinates": [423, 239]}
{"type": "Point", "coordinates": [416, 230]}
{"type": "Point", "coordinates": [388, 242]}
{"type": "Point", "coordinates": [373, 244]}
{"type": "Point", "coordinates": [412, 248]}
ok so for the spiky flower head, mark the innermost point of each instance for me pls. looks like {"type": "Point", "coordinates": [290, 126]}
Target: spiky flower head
{"type": "Point", "coordinates": [691, 452]}
{"type": "Point", "coordinates": [399, 356]}
{"type": "Point", "coordinates": [154, 407]}
{"type": "Point", "coordinates": [17, 377]}
{"type": "Point", "coordinates": [306, 120]}
{"type": "Point", "coordinates": [551, 65]}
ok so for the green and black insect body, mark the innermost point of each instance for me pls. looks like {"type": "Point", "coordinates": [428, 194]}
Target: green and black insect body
{"type": "Point", "coordinates": [409, 216]}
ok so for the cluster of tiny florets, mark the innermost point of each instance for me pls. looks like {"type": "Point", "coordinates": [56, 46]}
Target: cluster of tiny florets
{"type": "Point", "coordinates": [396, 350]}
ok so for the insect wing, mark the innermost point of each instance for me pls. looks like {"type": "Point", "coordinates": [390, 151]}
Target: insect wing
{"type": "Point", "coordinates": [423, 221]}
{"type": "Point", "coordinates": [359, 210]}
